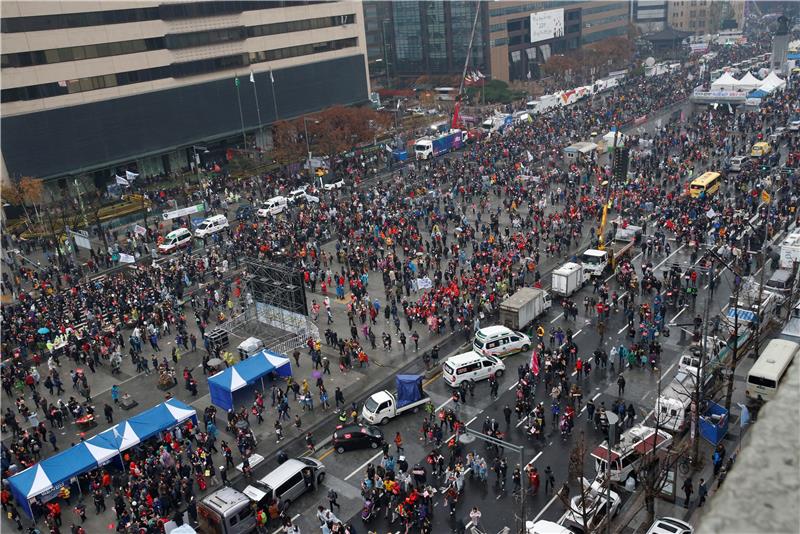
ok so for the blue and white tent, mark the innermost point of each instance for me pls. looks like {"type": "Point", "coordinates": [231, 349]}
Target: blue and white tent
{"type": "Point", "coordinates": [222, 385]}
{"type": "Point", "coordinates": [44, 478]}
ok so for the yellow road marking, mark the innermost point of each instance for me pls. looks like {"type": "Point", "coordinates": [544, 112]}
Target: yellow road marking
{"type": "Point", "coordinates": [431, 379]}
{"type": "Point", "coordinates": [325, 454]}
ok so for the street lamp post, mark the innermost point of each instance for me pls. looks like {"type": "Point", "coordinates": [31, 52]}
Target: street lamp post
{"type": "Point", "coordinates": [308, 146]}
{"type": "Point", "coordinates": [612, 438]}
{"type": "Point", "coordinates": [195, 148]}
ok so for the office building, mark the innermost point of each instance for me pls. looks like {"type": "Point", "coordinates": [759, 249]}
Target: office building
{"type": "Point", "coordinates": [700, 17]}
{"type": "Point", "coordinates": [90, 87]}
{"type": "Point", "coordinates": [523, 35]}
{"type": "Point", "coordinates": [649, 16]}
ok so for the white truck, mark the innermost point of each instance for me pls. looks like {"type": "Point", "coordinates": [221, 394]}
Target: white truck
{"type": "Point", "coordinates": [523, 307]}
{"type": "Point", "coordinates": [595, 262]}
{"type": "Point", "coordinates": [790, 250]}
{"type": "Point", "coordinates": [673, 406]}
{"type": "Point", "coordinates": [385, 405]}
{"type": "Point", "coordinates": [567, 279]}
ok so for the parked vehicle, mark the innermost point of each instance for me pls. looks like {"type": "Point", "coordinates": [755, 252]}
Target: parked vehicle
{"type": "Point", "coordinates": [385, 405]}
{"type": "Point", "coordinates": [670, 525]}
{"type": "Point", "coordinates": [301, 196]}
{"type": "Point", "coordinates": [548, 527]}
{"type": "Point", "coordinates": [567, 279]}
{"type": "Point", "coordinates": [523, 307]}
{"type": "Point", "coordinates": [738, 163]}
{"type": "Point", "coordinates": [500, 341]}
{"type": "Point", "coordinates": [330, 182]}
{"type": "Point", "coordinates": [760, 149]}
{"type": "Point", "coordinates": [352, 437]}
{"type": "Point", "coordinates": [595, 262]}
{"type": "Point", "coordinates": [175, 240]}
{"type": "Point", "coordinates": [212, 225]}
{"type": "Point", "coordinates": [245, 212]}
{"type": "Point", "coordinates": [470, 367]}
{"type": "Point", "coordinates": [596, 507]}
{"type": "Point", "coordinates": [790, 250]}
{"type": "Point", "coordinates": [273, 206]}
{"type": "Point", "coordinates": [288, 482]}
{"type": "Point", "coordinates": [626, 455]}
{"type": "Point", "coordinates": [766, 374]}
{"type": "Point", "coordinates": [673, 406]}
{"type": "Point", "coordinates": [434, 146]}
{"type": "Point", "coordinates": [226, 511]}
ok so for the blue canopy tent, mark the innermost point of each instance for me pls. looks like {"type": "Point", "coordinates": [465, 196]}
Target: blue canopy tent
{"type": "Point", "coordinates": [45, 478]}
{"type": "Point", "coordinates": [224, 384]}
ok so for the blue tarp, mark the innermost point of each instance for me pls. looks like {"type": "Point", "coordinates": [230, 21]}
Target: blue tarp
{"type": "Point", "coordinates": [222, 385]}
{"type": "Point", "coordinates": [56, 471]}
{"type": "Point", "coordinates": [714, 423]}
{"type": "Point", "coordinates": [758, 93]}
{"type": "Point", "coordinates": [409, 389]}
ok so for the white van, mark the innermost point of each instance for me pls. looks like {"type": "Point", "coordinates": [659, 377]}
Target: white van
{"type": "Point", "coordinates": [273, 206]}
{"type": "Point", "coordinates": [470, 367]}
{"type": "Point", "coordinates": [174, 240]}
{"type": "Point", "coordinates": [288, 481]}
{"type": "Point", "coordinates": [766, 374]}
{"type": "Point", "coordinates": [226, 511]}
{"type": "Point", "coordinates": [737, 162]}
{"type": "Point", "coordinates": [211, 225]}
{"type": "Point", "coordinates": [500, 341]}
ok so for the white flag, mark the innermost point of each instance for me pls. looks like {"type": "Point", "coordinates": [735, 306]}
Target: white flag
{"type": "Point", "coordinates": [131, 176]}
{"type": "Point", "coordinates": [271, 77]}
{"type": "Point", "coordinates": [121, 180]}
{"type": "Point", "coordinates": [126, 258]}
{"type": "Point", "coordinates": [530, 156]}
{"type": "Point", "coordinates": [252, 77]}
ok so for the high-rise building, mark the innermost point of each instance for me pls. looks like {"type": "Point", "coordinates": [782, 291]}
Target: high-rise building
{"type": "Point", "coordinates": [649, 16]}
{"type": "Point", "coordinates": [700, 17]}
{"type": "Point", "coordinates": [523, 35]}
{"type": "Point", "coordinates": [92, 86]}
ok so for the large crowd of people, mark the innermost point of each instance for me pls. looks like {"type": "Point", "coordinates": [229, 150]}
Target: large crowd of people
{"type": "Point", "coordinates": [449, 239]}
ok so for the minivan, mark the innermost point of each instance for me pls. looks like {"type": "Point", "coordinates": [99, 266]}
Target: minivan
{"type": "Point", "coordinates": [470, 367]}
{"type": "Point", "coordinates": [226, 511]}
{"type": "Point", "coordinates": [289, 481]}
{"type": "Point", "coordinates": [500, 341]}
{"type": "Point", "coordinates": [737, 163]}
{"type": "Point", "coordinates": [781, 282]}
{"type": "Point", "coordinates": [174, 240]}
{"type": "Point", "coordinates": [273, 206]}
{"type": "Point", "coordinates": [211, 225]}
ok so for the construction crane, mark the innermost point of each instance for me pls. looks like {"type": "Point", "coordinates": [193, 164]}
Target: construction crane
{"type": "Point", "coordinates": [456, 119]}
{"type": "Point", "coordinates": [601, 231]}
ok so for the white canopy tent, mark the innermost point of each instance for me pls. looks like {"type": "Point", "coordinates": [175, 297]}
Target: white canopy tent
{"type": "Point", "coordinates": [773, 81]}
{"type": "Point", "coordinates": [726, 82]}
{"type": "Point", "coordinates": [750, 82]}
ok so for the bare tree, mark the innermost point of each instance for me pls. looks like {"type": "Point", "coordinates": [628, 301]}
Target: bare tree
{"type": "Point", "coordinates": [576, 471]}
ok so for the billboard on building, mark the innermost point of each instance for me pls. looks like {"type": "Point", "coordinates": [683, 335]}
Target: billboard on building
{"type": "Point", "coordinates": [547, 25]}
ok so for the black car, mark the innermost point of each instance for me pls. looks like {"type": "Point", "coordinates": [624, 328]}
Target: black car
{"type": "Point", "coordinates": [352, 437]}
{"type": "Point", "coordinates": [245, 212]}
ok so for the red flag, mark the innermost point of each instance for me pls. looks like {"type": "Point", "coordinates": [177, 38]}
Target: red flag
{"type": "Point", "coordinates": [535, 363]}
{"type": "Point", "coordinates": [456, 118]}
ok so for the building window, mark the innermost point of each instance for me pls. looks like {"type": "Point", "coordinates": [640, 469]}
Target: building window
{"type": "Point", "coordinates": [77, 53]}
{"type": "Point", "coordinates": [204, 38]}
{"type": "Point", "coordinates": [300, 25]}
{"type": "Point", "coordinates": [302, 50]}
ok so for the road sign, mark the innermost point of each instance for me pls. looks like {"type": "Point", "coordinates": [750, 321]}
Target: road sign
{"type": "Point", "coordinates": [197, 208]}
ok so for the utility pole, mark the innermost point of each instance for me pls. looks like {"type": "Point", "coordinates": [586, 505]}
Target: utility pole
{"type": "Point", "coordinates": [766, 197]}
{"type": "Point", "coordinates": [700, 377]}
{"type": "Point", "coordinates": [80, 201]}
{"type": "Point", "coordinates": [735, 356]}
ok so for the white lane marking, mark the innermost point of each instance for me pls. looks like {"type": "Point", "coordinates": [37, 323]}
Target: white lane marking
{"type": "Point", "coordinates": [668, 257]}
{"type": "Point", "coordinates": [559, 316]}
{"type": "Point", "coordinates": [534, 459]}
{"type": "Point", "coordinates": [445, 403]}
{"type": "Point", "coordinates": [546, 506]}
{"type": "Point", "coordinates": [513, 385]}
{"type": "Point", "coordinates": [621, 330]}
{"type": "Point", "coordinates": [672, 322]}
{"type": "Point", "coordinates": [593, 399]}
{"type": "Point", "coordinates": [362, 466]}
{"type": "Point", "coordinates": [522, 421]}
{"type": "Point", "coordinates": [471, 420]}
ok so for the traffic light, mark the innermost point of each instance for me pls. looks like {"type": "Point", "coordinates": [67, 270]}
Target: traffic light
{"type": "Point", "coordinates": [620, 164]}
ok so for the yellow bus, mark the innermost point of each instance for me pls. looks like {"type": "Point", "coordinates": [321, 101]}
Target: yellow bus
{"type": "Point", "coordinates": [760, 149]}
{"type": "Point", "coordinates": [707, 182]}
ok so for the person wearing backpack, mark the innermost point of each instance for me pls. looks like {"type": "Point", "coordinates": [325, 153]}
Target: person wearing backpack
{"type": "Point", "coordinates": [332, 498]}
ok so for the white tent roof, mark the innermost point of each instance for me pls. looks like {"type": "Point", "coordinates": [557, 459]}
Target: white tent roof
{"type": "Point", "coordinates": [750, 82]}
{"type": "Point", "coordinates": [773, 80]}
{"type": "Point", "coordinates": [725, 82]}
